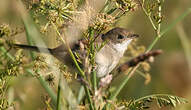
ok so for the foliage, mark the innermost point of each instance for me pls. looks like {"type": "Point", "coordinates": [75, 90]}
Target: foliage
{"type": "Point", "coordinates": [162, 100]}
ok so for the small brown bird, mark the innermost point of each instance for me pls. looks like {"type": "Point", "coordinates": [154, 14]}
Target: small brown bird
{"type": "Point", "coordinates": [106, 59]}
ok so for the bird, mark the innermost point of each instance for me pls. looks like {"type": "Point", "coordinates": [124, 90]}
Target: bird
{"type": "Point", "coordinates": [106, 59]}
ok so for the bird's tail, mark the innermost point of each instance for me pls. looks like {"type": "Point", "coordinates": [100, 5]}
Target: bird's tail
{"type": "Point", "coordinates": [33, 48]}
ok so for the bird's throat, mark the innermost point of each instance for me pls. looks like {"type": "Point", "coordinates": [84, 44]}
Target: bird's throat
{"type": "Point", "coordinates": [121, 47]}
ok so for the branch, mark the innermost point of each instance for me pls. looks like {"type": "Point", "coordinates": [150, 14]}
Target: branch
{"type": "Point", "coordinates": [141, 58]}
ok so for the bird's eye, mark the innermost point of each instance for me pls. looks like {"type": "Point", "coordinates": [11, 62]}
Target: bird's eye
{"type": "Point", "coordinates": [120, 37]}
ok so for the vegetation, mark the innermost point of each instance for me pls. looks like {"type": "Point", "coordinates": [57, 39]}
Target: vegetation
{"type": "Point", "coordinates": [53, 22]}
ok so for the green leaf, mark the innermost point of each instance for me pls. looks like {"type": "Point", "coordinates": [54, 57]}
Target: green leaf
{"type": "Point", "coordinates": [162, 100]}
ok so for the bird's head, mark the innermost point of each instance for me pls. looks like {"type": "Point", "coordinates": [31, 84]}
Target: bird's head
{"type": "Point", "coordinates": [119, 38]}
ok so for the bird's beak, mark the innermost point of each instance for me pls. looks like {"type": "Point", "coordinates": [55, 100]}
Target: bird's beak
{"type": "Point", "coordinates": [132, 36]}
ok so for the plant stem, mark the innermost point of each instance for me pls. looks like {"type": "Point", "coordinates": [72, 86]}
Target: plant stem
{"type": "Point", "coordinates": [141, 73]}
{"type": "Point", "coordinates": [89, 97]}
{"type": "Point", "coordinates": [58, 105]}
{"type": "Point", "coordinates": [2, 49]}
{"type": "Point", "coordinates": [80, 94]}
{"type": "Point", "coordinates": [94, 81]}
{"type": "Point", "coordinates": [160, 17]}
{"type": "Point", "coordinates": [181, 17]}
{"type": "Point", "coordinates": [92, 58]}
{"type": "Point", "coordinates": [105, 6]}
{"type": "Point", "coordinates": [81, 72]}
{"type": "Point", "coordinates": [148, 15]}
{"type": "Point", "coordinates": [29, 40]}
{"type": "Point", "coordinates": [123, 83]}
{"type": "Point", "coordinates": [45, 86]}
{"type": "Point", "coordinates": [152, 44]}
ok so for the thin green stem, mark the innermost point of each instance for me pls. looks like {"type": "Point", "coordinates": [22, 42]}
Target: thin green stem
{"type": "Point", "coordinates": [153, 24]}
{"type": "Point", "coordinates": [80, 94]}
{"type": "Point", "coordinates": [58, 105]}
{"type": "Point", "coordinates": [89, 97]}
{"type": "Point", "coordinates": [94, 81]}
{"type": "Point", "coordinates": [113, 96]}
{"type": "Point", "coordinates": [141, 73]}
{"type": "Point", "coordinates": [2, 49]}
{"type": "Point", "coordinates": [152, 44]}
{"type": "Point", "coordinates": [76, 63]}
{"type": "Point", "coordinates": [29, 40]}
{"type": "Point", "coordinates": [46, 86]}
{"type": "Point", "coordinates": [148, 15]}
{"type": "Point", "coordinates": [81, 72]}
{"type": "Point", "coordinates": [181, 17]}
{"type": "Point", "coordinates": [160, 17]}
{"type": "Point", "coordinates": [105, 6]}
{"type": "Point", "coordinates": [92, 58]}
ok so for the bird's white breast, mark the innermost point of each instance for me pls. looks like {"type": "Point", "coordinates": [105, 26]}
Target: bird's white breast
{"type": "Point", "coordinates": [108, 57]}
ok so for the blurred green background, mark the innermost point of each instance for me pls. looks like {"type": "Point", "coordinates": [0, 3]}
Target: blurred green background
{"type": "Point", "coordinates": [170, 71]}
